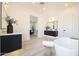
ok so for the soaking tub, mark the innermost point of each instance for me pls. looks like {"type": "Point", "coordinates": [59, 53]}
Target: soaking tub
{"type": "Point", "coordinates": [66, 47]}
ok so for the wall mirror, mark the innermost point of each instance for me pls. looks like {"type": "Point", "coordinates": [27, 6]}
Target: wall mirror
{"type": "Point", "coordinates": [52, 24]}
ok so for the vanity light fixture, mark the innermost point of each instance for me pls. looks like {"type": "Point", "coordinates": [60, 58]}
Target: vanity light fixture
{"type": "Point", "coordinates": [33, 2]}
{"type": "Point", "coordinates": [51, 19]}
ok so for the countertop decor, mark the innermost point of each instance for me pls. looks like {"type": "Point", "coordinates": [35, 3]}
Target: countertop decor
{"type": "Point", "coordinates": [10, 21]}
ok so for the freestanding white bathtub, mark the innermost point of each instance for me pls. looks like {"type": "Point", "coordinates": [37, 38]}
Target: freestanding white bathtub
{"type": "Point", "coordinates": [66, 47]}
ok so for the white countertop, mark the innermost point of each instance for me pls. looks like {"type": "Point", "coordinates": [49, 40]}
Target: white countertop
{"type": "Point", "coordinates": [2, 34]}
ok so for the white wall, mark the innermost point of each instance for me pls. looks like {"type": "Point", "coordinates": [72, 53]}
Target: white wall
{"type": "Point", "coordinates": [41, 26]}
{"type": "Point", "coordinates": [22, 14]}
{"type": "Point", "coordinates": [19, 14]}
{"type": "Point", "coordinates": [0, 15]}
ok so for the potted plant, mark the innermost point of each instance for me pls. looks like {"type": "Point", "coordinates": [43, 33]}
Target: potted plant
{"type": "Point", "coordinates": [10, 21]}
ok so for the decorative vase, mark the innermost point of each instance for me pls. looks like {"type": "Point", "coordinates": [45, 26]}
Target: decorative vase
{"type": "Point", "coordinates": [53, 27]}
{"type": "Point", "coordinates": [47, 28]}
{"type": "Point", "coordinates": [10, 28]}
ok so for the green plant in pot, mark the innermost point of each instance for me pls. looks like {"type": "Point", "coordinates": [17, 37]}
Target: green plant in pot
{"type": "Point", "coordinates": [10, 21]}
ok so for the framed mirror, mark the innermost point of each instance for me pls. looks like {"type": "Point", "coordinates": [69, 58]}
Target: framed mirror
{"type": "Point", "coordinates": [52, 24]}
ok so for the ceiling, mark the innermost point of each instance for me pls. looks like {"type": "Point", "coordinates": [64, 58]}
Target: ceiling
{"type": "Point", "coordinates": [47, 7]}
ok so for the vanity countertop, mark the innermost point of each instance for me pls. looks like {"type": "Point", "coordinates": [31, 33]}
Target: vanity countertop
{"type": "Point", "coordinates": [3, 34]}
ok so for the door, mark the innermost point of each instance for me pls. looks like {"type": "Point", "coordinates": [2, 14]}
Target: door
{"type": "Point", "coordinates": [67, 25]}
{"type": "Point", "coordinates": [33, 25]}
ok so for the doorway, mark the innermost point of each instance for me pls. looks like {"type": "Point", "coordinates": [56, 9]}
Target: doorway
{"type": "Point", "coordinates": [33, 26]}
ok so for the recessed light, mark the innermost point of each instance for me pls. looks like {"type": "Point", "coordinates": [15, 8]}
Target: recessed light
{"type": "Point", "coordinates": [66, 4]}
{"type": "Point", "coordinates": [33, 2]}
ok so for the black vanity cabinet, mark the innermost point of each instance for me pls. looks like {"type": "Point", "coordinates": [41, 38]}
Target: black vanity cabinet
{"type": "Point", "coordinates": [51, 33]}
{"type": "Point", "coordinates": [10, 43]}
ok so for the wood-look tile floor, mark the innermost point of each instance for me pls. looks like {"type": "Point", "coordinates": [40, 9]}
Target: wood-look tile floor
{"type": "Point", "coordinates": [33, 47]}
